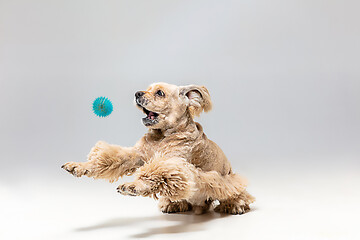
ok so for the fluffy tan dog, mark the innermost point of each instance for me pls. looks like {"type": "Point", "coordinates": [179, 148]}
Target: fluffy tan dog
{"type": "Point", "coordinates": [174, 160]}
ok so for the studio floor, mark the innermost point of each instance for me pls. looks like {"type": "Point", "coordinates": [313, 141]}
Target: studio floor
{"type": "Point", "coordinates": [303, 204]}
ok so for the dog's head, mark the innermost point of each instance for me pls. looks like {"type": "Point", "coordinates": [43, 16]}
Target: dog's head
{"type": "Point", "coordinates": [166, 104]}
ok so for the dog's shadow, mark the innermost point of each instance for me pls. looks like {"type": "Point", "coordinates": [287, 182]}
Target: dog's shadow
{"type": "Point", "coordinates": [187, 222]}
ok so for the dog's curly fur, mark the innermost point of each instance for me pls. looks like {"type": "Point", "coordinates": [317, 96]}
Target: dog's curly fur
{"type": "Point", "coordinates": [174, 160]}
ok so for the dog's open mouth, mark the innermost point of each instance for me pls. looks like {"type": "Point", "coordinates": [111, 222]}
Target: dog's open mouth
{"type": "Point", "coordinates": [151, 117]}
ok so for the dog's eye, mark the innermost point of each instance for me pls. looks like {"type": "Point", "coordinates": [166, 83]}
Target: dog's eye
{"type": "Point", "coordinates": [160, 93]}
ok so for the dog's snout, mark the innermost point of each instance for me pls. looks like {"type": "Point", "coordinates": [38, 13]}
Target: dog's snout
{"type": "Point", "coordinates": [139, 94]}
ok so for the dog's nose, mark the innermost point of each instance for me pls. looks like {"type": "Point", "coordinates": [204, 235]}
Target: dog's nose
{"type": "Point", "coordinates": [139, 94]}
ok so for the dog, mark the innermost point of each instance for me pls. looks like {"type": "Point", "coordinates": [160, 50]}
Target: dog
{"type": "Point", "coordinates": [174, 161]}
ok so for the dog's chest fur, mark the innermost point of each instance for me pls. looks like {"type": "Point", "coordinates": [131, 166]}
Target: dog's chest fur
{"type": "Point", "coordinates": [192, 145]}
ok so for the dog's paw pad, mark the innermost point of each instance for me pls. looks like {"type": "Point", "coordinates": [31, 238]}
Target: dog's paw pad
{"type": "Point", "coordinates": [75, 169]}
{"type": "Point", "coordinates": [128, 189]}
{"type": "Point", "coordinates": [135, 189]}
{"type": "Point", "coordinates": [235, 209]}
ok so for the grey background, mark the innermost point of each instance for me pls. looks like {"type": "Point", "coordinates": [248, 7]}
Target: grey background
{"type": "Point", "coordinates": [284, 78]}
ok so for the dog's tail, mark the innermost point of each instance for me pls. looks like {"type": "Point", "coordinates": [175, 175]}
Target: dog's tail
{"type": "Point", "coordinates": [216, 186]}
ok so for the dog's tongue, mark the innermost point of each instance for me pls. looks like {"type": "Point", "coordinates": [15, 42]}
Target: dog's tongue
{"type": "Point", "coordinates": [151, 115]}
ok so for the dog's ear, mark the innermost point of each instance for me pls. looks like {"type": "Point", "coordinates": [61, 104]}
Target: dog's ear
{"type": "Point", "coordinates": [197, 98]}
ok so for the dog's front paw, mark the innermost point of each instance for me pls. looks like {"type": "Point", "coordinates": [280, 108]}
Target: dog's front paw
{"type": "Point", "coordinates": [133, 189]}
{"type": "Point", "coordinates": [76, 169]}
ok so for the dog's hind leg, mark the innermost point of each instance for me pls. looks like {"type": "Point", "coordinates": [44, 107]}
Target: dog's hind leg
{"type": "Point", "coordinates": [229, 190]}
{"type": "Point", "coordinates": [167, 206]}
{"type": "Point", "coordinates": [202, 206]}
{"type": "Point", "coordinates": [236, 205]}
{"type": "Point", "coordinates": [177, 180]}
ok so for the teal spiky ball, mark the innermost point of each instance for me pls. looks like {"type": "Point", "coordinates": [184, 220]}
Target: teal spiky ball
{"type": "Point", "coordinates": [102, 107]}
